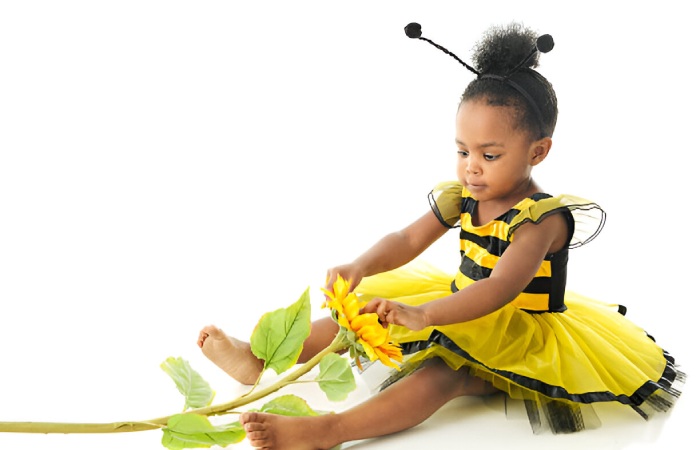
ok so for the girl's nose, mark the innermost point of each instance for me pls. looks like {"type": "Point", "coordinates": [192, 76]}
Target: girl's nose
{"type": "Point", "coordinates": [472, 166]}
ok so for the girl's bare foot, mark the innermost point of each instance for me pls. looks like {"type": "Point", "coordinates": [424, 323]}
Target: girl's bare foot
{"type": "Point", "coordinates": [275, 432]}
{"type": "Point", "coordinates": [231, 355]}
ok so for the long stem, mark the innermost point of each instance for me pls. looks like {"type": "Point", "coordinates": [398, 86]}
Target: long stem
{"type": "Point", "coordinates": [160, 422]}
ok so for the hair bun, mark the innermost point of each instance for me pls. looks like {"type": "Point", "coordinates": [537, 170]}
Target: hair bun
{"type": "Point", "coordinates": [413, 30]}
{"type": "Point", "coordinates": [545, 43]}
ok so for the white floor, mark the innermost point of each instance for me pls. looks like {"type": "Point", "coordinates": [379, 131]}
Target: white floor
{"type": "Point", "coordinates": [462, 423]}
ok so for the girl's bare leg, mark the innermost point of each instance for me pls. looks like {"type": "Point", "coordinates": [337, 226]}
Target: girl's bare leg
{"type": "Point", "coordinates": [236, 359]}
{"type": "Point", "coordinates": [416, 396]}
{"type": "Point", "coordinates": [323, 332]}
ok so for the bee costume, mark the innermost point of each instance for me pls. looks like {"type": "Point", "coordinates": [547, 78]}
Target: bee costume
{"type": "Point", "coordinates": [556, 350]}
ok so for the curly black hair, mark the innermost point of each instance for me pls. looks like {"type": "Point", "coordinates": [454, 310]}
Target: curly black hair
{"type": "Point", "coordinates": [502, 49]}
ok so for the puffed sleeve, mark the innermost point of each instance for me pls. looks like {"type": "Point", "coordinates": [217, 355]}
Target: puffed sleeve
{"type": "Point", "coordinates": [588, 217]}
{"type": "Point", "coordinates": [446, 202]}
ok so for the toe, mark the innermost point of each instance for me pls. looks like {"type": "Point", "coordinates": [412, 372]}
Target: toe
{"type": "Point", "coordinates": [212, 331]}
{"type": "Point", "coordinates": [203, 335]}
{"type": "Point", "coordinates": [247, 418]}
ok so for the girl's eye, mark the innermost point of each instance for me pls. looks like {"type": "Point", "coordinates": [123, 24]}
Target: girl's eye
{"type": "Point", "coordinates": [463, 153]}
{"type": "Point", "coordinates": [489, 157]}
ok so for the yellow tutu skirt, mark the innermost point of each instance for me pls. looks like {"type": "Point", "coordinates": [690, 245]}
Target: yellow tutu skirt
{"type": "Point", "coordinates": [556, 362]}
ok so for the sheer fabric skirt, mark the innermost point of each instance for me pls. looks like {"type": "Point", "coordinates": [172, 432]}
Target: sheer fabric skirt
{"type": "Point", "coordinates": [556, 362]}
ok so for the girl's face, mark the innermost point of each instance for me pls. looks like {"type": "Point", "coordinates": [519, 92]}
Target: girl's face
{"type": "Point", "coordinates": [494, 159]}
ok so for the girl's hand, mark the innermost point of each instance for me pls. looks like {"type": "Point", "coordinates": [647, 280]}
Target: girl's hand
{"type": "Point", "coordinates": [348, 271]}
{"type": "Point", "coordinates": [412, 317]}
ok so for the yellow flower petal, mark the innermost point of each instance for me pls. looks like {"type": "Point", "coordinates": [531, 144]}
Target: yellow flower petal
{"type": "Point", "coordinates": [327, 293]}
{"type": "Point", "coordinates": [343, 322]}
{"type": "Point", "coordinates": [335, 304]}
{"type": "Point", "coordinates": [369, 350]}
{"type": "Point", "coordinates": [389, 351]}
{"type": "Point", "coordinates": [375, 336]}
{"type": "Point", "coordinates": [393, 351]}
{"type": "Point", "coordinates": [351, 306]}
{"type": "Point", "coordinates": [366, 320]}
{"type": "Point", "coordinates": [387, 361]}
{"type": "Point", "coordinates": [369, 332]}
{"type": "Point", "coordinates": [341, 287]}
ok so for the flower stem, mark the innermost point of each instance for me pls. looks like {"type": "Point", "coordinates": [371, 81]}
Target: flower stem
{"type": "Point", "coordinates": [339, 343]}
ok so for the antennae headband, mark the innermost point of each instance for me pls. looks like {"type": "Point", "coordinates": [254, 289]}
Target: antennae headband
{"type": "Point", "coordinates": [544, 44]}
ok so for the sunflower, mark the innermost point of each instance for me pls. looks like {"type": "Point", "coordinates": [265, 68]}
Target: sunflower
{"type": "Point", "coordinates": [363, 329]}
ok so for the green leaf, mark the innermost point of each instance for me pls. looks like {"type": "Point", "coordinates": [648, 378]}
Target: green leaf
{"type": "Point", "coordinates": [195, 431]}
{"type": "Point", "coordinates": [335, 377]}
{"type": "Point", "coordinates": [279, 335]}
{"type": "Point", "coordinates": [196, 390]}
{"type": "Point", "coordinates": [288, 405]}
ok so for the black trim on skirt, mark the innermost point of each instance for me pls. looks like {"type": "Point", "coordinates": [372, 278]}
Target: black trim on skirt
{"type": "Point", "coordinates": [557, 392]}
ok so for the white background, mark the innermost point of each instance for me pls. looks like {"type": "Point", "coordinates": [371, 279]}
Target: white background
{"type": "Point", "coordinates": [168, 164]}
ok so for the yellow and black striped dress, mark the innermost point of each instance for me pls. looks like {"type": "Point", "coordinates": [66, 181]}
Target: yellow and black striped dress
{"type": "Point", "coordinates": [553, 348]}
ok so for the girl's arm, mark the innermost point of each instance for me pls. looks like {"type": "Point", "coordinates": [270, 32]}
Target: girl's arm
{"type": "Point", "coordinates": [512, 273]}
{"type": "Point", "coordinates": [392, 251]}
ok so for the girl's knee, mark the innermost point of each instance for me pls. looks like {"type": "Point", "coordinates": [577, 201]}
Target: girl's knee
{"type": "Point", "coordinates": [459, 381]}
{"type": "Point", "coordinates": [439, 374]}
{"type": "Point", "coordinates": [478, 386]}
{"type": "Point", "coordinates": [323, 332]}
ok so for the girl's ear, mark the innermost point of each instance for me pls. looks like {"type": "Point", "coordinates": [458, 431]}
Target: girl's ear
{"type": "Point", "coordinates": [539, 150]}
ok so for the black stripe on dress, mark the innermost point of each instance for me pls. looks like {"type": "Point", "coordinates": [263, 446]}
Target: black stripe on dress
{"type": "Point", "coordinates": [491, 244]}
{"type": "Point", "coordinates": [473, 271]}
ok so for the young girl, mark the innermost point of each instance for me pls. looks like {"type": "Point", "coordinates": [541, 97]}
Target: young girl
{"type": "Point", "coordinates": [504, 322]}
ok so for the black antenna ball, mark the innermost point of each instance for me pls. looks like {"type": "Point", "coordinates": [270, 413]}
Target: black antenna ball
{"type": "Point", "coordinates": [545, 43]}
{"type": "Point", "coordinates": [413, 30]}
